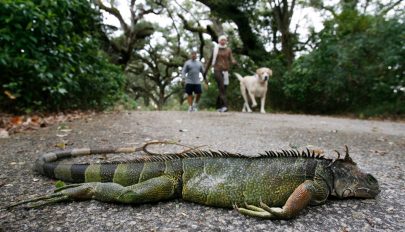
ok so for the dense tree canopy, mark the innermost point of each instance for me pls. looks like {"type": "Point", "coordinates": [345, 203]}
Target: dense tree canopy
{"type": "Point", "coordinates": [358, 64]}
{"type": "Point", "coordinates": [57, 55]}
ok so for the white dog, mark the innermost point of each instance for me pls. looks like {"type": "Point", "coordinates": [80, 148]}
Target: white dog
{"type": "Point", "coordinates": [255, 86]}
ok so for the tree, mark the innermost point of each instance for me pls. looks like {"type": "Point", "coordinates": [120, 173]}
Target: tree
{"type": "Point", "coordinates": [282, 12]}
{"type": "Point", "coordinates": [134, 33]}
{"type": "Point", "coordinates": [356, 66]}
{"type": "Point", "coordinates": [254, 16]}
{"type": "Point", "coordinates": [50, 57]}
{"type": "Point", "coordinates": [154, 69]}
{"type": "Point", "coordinates": [239, 12]}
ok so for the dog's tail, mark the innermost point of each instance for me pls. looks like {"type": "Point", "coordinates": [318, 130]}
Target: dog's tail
{"type": "Point", "coordinates": [240, 78]}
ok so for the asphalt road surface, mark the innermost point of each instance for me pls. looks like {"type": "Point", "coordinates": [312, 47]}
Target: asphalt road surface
{"type": "Point", "coordinates": [377, 147]}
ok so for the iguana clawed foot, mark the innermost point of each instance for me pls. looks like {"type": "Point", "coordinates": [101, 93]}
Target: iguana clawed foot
{"type": "Point", "coordinates": [64, 193]}
{"type": "Point", "coordinates": [44, 200]}
{"type": "Point", "coordinates": [264, 211]}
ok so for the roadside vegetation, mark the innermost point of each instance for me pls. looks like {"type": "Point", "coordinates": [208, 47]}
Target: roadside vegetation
{"type": "Point", "coordinates": [58, 56]}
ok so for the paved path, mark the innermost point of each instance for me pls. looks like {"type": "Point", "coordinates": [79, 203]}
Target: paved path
{"type": "Point", "coordinates": [378, 147]}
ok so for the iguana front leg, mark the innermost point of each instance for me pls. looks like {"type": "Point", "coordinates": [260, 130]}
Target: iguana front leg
{"type": "Point", "coordinates": [305, 193]}
{"type": "Point", "coordinates": [152, 190]}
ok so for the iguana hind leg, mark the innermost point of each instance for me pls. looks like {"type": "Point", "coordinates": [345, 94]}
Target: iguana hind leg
{"type": "Point", "coordinates": [152, 190]}
{"type": "Point", "coordinates": [297, 201]}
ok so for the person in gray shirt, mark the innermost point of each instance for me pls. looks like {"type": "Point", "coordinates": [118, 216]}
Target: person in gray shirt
{"type": "Point", "coordinates": [191, 75]}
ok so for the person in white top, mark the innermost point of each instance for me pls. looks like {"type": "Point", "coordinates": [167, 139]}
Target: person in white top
{"type": "Point", "coordinates": [221, 60]}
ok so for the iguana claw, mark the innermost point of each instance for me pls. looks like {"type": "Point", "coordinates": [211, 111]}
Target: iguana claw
{"type": "Point", "coordinates": [235, 206]}
{"type": "Point", "coordinates": [254, 208]}
{"type": "Point", "coordinates": [46, 200]}
{"type": "Point", "coordinates": [264, 206]}
{"type": "Point", "coordinates": [64, 193]}
{"type": "Point", "coordinates": [254, 211]}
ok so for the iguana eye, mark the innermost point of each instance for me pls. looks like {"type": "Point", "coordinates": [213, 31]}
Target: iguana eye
{"type": "Point", "coordinates": [371, 179]}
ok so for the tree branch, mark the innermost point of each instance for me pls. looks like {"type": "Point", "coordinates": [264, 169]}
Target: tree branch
{"type": "Point", "coordinates": [177, 30]}
{"type": "Point", "coordinates": [199, 30]}
{"type": "Point", "coordinates": [390, 7]}
{"type": "Point", "coordinates": [252, 46]}
{"type": "Point", "coordinates": [189, 27]}
{"type": "Point", "coordinates": [114, 11]}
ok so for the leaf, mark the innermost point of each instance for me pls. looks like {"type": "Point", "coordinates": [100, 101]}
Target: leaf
{"type": "Point", "coordinates": [59, 184]}
{"type": "Point", "coordinates": [62, 91]}
{"type": "Point", "coordinates": [29, 26]}
{"type": "Point", "coordinates": [9, 95]}
{"type": "Point", "coordinates": [16, 120]}
{"type": "Point", "coordinates": [63, 126]}
{"type": "Point", "coordinates": [36, 119]}
{"type": "Point", "coordinates": [61, 145]}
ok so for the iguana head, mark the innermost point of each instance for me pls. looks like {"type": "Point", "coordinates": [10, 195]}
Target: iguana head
{"type": "Point", "coordinates": [350, 181]}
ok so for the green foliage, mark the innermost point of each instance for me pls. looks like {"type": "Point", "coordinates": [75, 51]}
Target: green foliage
{"type": "Point", "coordinates": [59, 184]}
{"type": "Point", "coordinates": [357, 66]}
{"type": "Point", "coordinates": [50, 57]}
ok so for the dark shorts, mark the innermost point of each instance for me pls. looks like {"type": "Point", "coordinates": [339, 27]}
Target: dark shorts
{"type": "Point", "coordinates": [196, 88]}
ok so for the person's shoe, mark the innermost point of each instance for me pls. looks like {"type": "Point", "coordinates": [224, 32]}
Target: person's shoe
{"type": "Point", "coordinates": [223, 109]}
{"type": "Point", "coordinates": [190, 109]}
{"type": "Point", "coordinates": [195, 108]}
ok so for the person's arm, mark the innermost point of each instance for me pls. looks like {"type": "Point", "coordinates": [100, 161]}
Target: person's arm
{"type": "Point", "coordinates": [231, 58]}
{"type": "Point", "coordinates": [208, 65]}
{"type": "Point", "coordinates": [184, 71]}
{"type": "Point", "coordinates": [202, 71]}
{"type": "Point", "coordinates": [204, 75]}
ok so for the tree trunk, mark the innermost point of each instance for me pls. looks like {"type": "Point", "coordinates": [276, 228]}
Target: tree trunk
{"type": "Point", "coordinates": [252, 46]}
{"type": "Point", "coordinates": [282, 14]}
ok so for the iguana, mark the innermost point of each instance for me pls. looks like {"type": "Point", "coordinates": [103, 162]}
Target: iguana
{"type": "Point", "coordinates": [274, 185]}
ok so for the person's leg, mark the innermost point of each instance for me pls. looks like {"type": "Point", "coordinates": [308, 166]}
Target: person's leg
{"type": "Point", "coordinates": [190, 100]}
{"type": "Point", "coordinates": [217, 76]}
{"type": "Point", "coordinates": [189, 92]}
{"type": "Point", "coordinates": [197, 92]}
{"type": "Point", "coordinates": [218, 102]}
{"type": "Point", "coordinates": [225, 107]}
{"type": "Point", "coordinates": [197, 98]}
{"type": "Point", "coordinates": [221, 89]}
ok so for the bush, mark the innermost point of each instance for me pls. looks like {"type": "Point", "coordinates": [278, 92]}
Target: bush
{"type": "Point", "coordinates": [50, 57]}
{"type": "Point", "coordinates": [351, 72]}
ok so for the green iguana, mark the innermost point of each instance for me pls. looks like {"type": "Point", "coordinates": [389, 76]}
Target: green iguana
{"type": "Point", "coordinates": [274, 185]}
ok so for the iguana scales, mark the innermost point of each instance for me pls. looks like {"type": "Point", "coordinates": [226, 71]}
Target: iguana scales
{"type": "Point", "coordinates": [274, 185]}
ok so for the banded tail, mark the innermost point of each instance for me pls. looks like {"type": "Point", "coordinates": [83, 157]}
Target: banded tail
{"type": "Point", "coordinates": [49, 165]}
{"type": "Point", "coordinates": [124, 173]}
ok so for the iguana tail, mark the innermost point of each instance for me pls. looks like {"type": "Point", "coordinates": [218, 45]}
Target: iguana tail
{"type": "Point", "coordinates": [48, 164]}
